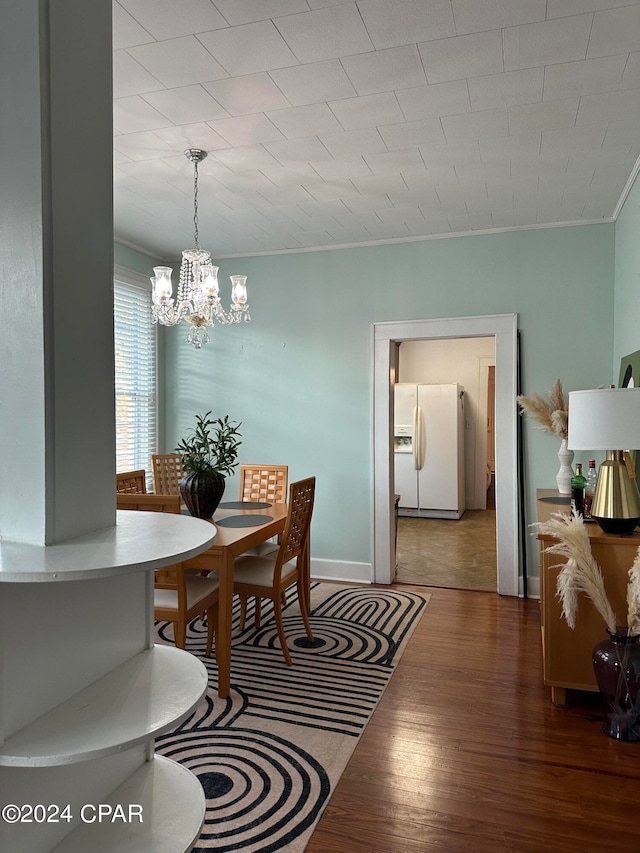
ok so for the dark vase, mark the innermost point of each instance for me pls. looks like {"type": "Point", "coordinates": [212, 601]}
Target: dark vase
{"type": "Point", "coordinates": [616, 663]}
{"type": "Point", "coordinates": [202, 492]}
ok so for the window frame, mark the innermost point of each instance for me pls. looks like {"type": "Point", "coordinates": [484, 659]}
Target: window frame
{"type": "Point", "coordinates": [131, 279]}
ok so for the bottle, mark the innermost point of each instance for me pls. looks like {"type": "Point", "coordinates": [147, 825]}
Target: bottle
{"type": "Point", "coordinates": [590, 487]}
{"type": "Point", "coordinates": [578, 483]}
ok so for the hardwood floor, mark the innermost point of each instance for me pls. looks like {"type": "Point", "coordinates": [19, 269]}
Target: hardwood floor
{"type": "Point", "coordinates": [447, 553]}
{"type": "Point", "coordinates": [466, 754]}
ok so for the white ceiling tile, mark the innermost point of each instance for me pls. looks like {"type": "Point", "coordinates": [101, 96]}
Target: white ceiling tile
{"type": "Point", "coordinates": [589, 76]}
{"type": "Point", "coordinates": [547, 115]}
{"type": "Point", "coordinates": [290, 152]}
{"type": "Point", "coordinates": [572, 139]}
{"type": "Point", "coordinates": [631, 76]}
{"type": "Point", "coordinates": [615, 31]}
{"type": "Point", "coordinates": [463, 56]}
{"type": "Point", "coordinates": [166, 19]}
{"type": "Point", "coordinates": [385, 70]}
{"type": "Point", "coordinates": [612, 106]}
{"type": "Point", "coordinates": [443, 153]}
{"type": "Point", "coordinates": [246, 157]}
{"type": "Point", "coordinates": [412, 198]}
{"type": "Point", "coordinates": [563, 8]}
{"type": "Point", "coordinates": [246, 11]}
{"type": "Point", "coordinates": [534, 166]}
{"type": "Point", "coordinates": [432, 174]}
{"type": "Point", "coordinates": [243, 181]}
{"type": "Point", "coordinates": [131, 115]}
{"type": "Point", "coordinates": [178, 62]}
{"type": "Point", "coordinates": [561, 40]}
{"type": "Point", "coordinates": [506, 89]}
{"type": "Point", "coordinates": [395, 161]}
{"type": "Point", "coordinates": [142, 146]}
{"type": "Point", "coordinates": [252, 93]}
{"type": "Point", "coordinates": [324, 34]}
{"type": "Point", "coordinates": [305, 121]}
{"type": "Point", "coordinates": [248, 49]}
{"type": "Point", "coordinates": [360, 204]}
{"type": "Point", "coordinates": [441, 99]}
{"type": "Point", "coordinates": [353, 143]}
{"type": "Point", "coordinates": [622, 134]}
{"type": "Point", "coordinates": [339, 185]}
{"type": "Point", "coordinates": [341, 170]}
{"type": "Point", "coordinates": [472, 16]}
{"type": "Point", "coordinates": [130, 78]}
{"type": "Point", "coordinates": [313, 83]}
{"type": "Point", "coordinates": [186, 105]}
{"type": "Point", "coordinates": [367, 111]}
{"type": "Point", "coordinates": [406, 21]}
{"type": "Point", "coordinates": [198, 135]}
{"type": "Point", "coordinates": [147, 171]}
{"type": "Point", "coordinates": [127, 32]}
{"type": "Point", "coordinates": [380, 184]}
{"type": "Point", "coordinates": [290, 176]}
{"type": "Point", "coordinates": [412, 134]}
{"type": "Point", "coordinates": [508, 147]}
{"type": "Point", "coordinates": [475, 125]}
{"type": "Point", "coordinates": [246, 130]}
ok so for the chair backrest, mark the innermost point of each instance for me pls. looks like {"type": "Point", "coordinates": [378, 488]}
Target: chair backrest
{"type": "Point", "coordinates": [167, 473]}
{"type": "Point", "coordinates": [264, 483]}
{"type": "Point", "coordinates": [132, 482]}
{"type": "Point", "coordinates": [298, 524]}
{"type": "Point", "coordinates": [149, 503]}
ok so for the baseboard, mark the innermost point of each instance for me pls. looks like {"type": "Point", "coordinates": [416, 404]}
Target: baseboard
{"type": "Point", "coordinates": [341, 570]}
{"type": "Point", "coordinates": [533, 587]}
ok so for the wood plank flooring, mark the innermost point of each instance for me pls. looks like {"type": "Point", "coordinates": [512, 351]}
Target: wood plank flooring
{"type": "Point", "coordinates": [466, 753]}
{"type": "Point", "coordinates": [455, 554]}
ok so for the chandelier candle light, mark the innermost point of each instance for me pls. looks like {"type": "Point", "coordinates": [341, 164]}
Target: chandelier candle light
{"type": "Point", "coordinates": [198, 301]}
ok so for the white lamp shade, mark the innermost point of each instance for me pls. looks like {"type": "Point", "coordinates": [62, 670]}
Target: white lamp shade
{"type": "Point", "coordinates": [604, 419]}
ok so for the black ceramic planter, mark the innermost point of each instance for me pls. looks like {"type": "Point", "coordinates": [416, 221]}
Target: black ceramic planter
{"type": "Point", "coordinates": [202, 492]}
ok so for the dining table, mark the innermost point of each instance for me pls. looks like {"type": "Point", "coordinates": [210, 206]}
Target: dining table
{"type": "Point", "coordinates": [240, 526]}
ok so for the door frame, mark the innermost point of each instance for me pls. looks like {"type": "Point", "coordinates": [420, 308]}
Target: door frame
{"type": "Point", "coordinates": [503, 327]}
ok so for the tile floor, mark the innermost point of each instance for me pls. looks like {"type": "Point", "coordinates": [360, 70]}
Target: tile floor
{"type": "Point", "coordinates": [453, 554]}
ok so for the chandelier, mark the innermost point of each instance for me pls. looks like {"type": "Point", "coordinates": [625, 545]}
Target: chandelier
{"type": "Point", "coordinates": [197, 301]}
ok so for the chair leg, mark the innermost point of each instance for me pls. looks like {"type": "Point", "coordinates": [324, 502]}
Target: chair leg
{"type": "Point", "coordinates": [256, 618]}
{"type": "Point", "coordinates": [302, 601]}
{"type": "Point", "coordinates": [243, 611]}
{"type": "Point", "coordinates": [180, 634]}
{"type": "Point", "coordinates": [277, 610]}
{"type": "Point", "coordinates": [211, 626]}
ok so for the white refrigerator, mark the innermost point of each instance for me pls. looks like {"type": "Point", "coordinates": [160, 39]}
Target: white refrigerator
{"type": "Point", "coordinates": [429, 450]}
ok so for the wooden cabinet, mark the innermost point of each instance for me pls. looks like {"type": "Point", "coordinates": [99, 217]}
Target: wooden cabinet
{"type": "Point", "coordinates": [566, 651]}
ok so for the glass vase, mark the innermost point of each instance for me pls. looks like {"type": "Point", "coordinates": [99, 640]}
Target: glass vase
{"type": "Point", "coordinates": [616, 663]}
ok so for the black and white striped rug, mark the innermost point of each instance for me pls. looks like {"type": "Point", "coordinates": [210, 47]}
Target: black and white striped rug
{"type": "Point", "coordinates": [269, 755]}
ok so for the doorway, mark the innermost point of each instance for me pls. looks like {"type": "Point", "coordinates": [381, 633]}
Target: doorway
{"type": "Point", "coordinates": [435, 548]}
{"type": "Point", "coordinates": [504, 328]}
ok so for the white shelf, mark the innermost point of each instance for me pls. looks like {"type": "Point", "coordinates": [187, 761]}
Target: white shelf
{"type": "Point", "coordinates": [137, 542]}
{"type": "Point", "coordinates": [150, 693]}
{"type": "Point", "coordinates": [173, 808]}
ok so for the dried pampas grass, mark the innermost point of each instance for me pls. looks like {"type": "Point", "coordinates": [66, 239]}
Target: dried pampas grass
{"type": "Point", "coordinates": [633, 596]}
{"type": "Point", "coordinates": [581, 573]}
{"type": "Point", "coordinates": [551, 413]}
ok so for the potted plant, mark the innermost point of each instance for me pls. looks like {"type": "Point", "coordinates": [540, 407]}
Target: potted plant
{"type": "Point", "coordinates": [208, 453]}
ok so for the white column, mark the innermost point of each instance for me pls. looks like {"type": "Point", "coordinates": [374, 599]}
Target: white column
{"type": "Point", "coordinates": [56, 267]}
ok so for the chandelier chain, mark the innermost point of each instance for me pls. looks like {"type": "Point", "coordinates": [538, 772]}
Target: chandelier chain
{"type": "Point", "coordinates": [195, 204]}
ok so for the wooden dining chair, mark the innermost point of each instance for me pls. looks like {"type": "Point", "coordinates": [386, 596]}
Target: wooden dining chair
{"type": "Point", "coordinates": [264, 483]}
{"type": "Point", "coordinates": [178, 595]}
{"type": "Point", "coordinates": [268, 576]}
{"type": "Point", "coordinates": [167, 472]}
{"type": "Point", "coordinates": [132, 482]}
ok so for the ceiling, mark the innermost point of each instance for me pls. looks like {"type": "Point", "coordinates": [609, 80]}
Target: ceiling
{"type": "Point", "coordinates": [333, 123]}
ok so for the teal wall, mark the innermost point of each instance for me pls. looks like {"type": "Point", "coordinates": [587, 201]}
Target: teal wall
{"type": "Point", "coordinates": [299, 377]}
{"type": "Point", "coordinates": [627, 280]}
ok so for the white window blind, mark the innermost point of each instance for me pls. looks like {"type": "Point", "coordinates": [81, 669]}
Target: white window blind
{"type": "Point", "coordinates": [135, 369]}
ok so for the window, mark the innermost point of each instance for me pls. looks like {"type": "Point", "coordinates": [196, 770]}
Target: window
{"type": "Point", "coordinates": [135, 368]}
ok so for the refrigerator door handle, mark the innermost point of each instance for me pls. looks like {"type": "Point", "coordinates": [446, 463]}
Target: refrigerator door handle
{"type": "Point", "coordinates": [418, 439]}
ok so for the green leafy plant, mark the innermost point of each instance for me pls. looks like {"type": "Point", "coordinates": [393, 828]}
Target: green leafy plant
{"type": "Point", "coordinates": [212, 446]}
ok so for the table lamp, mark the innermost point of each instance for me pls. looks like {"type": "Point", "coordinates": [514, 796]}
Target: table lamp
{"type": "Point", "coordinates": [609, 419]}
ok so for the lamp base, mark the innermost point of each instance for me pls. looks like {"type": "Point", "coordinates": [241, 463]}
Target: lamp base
{"type": "Point", "coordinates": [616, 502]}
{"type": "Point", "coordinates": [617, 526]}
